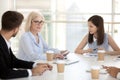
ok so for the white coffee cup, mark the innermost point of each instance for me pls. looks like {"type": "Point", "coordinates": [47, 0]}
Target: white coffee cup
{"type": "Point", "coordinates": [50, 55]}
{"type": "Point", "coordinates": [95, 72]}
{"type": "Point", "coordinates": [101, 55]}
{"type": "Point", "coordinates": [60, 66]}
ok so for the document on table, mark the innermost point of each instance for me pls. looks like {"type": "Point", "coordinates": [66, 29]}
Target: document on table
{"type": "Point", "coordinates": [90, 54]}
{"type": "Point", "coordinates": [117, 58]}
{"type": "Point", "coordinates": [71, 58]}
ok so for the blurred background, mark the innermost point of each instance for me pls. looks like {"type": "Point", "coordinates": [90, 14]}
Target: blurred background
{"type": "Point", "coordinates": [66, 20]}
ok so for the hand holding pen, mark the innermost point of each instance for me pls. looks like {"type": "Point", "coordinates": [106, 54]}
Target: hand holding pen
{"type": "Point", "coordinates": [88, 50]}
{"type": "Point", "coordinates": [62, 54]}
{"type": "Point", "coordinates": [65, 52]}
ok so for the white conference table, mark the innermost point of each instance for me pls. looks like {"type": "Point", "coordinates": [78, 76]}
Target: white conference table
{"type": "Point", "coordinates": [77, 71]}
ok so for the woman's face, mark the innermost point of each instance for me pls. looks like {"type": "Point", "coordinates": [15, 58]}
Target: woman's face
{"type": "Point", "coordinates": [37, 24]}
{"type": "Point", "coordinates": [92, 28]}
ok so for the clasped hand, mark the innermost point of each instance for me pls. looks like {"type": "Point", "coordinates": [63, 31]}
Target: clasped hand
{"type": "Point", "coordinates": [40, 68]}
{"type": "Point", "coordinates": [113, 71]}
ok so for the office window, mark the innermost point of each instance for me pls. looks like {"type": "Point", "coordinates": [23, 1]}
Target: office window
{"type": "Point", "coordinates": [66, 20]}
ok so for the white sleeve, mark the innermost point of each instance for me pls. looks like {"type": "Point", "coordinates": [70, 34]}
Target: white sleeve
{"type": "Point", "coordinates": [35, 64]}
{"type": "Point", "coordinates": [29, 72]}
{"type": "Point", "coordinates": [118, 75]}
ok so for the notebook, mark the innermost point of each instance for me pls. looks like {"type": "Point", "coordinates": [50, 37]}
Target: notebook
{"type": "Point", "coordinates": [117, 58]}
{"type": "Point", "coordinates": [71, 58]}
{"type": "Point", "coordinates": [90, 55]}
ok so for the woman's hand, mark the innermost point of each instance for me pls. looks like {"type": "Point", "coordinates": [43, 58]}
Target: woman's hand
{"type": "Point", "coordinates": [59, 56]}
{"type": "Point", "coordinates": [64, 53]}
{"type": "Point", "coordinates": [87, 51]}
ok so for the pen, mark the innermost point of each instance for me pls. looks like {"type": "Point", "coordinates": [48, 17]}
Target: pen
{"type": "Point", "coordinates": [72, 63]}
{"type": "Point", "coordinates": [95, 49]}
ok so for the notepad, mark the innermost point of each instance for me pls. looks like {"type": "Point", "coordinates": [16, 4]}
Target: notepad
{"type": "Point", "coordinates": [68, 62]}
{"type": "Point", "coordinates": [71, 58]}
{"type": "Point", "coordinates": [71, 62]}
{"type": "Point", "coordinates": [90, 55]}
{"type": "Point", "coordinates": [117, 58]}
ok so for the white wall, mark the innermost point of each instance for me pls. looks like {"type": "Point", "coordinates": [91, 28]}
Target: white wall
{"type": "Point", "coordinates": [4, 6]}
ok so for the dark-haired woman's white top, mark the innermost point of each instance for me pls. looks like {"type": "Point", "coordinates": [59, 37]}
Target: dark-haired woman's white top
{"type": "Point", "coordinates": [95, 47]}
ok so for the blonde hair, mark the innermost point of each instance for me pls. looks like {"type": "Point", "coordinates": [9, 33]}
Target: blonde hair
{"type": "Point", "coordinates": [32, 16]}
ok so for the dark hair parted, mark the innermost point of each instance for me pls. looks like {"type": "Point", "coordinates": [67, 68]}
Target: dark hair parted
{"type": "Point", "coordinates": [99, 23]}
{"type": "Point", "coordinates": [11, 20]}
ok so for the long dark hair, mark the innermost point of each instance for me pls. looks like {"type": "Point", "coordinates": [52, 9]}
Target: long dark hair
{"type": "Point", "coordinates": [99, 23]}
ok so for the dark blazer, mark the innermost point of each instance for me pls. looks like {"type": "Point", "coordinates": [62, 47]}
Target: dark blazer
{"type": "Point", "coordinates": [8, 63]}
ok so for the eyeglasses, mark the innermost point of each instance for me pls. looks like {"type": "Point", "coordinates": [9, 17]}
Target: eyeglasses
{"type": "Point", "coordinates": [38, 22]}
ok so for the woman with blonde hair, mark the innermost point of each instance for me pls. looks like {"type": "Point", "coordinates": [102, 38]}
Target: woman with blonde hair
{"type": "Point", "coordinates": [32, 45]}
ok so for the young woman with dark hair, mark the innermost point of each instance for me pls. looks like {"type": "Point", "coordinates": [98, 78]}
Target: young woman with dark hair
{"type": "Point", "coordinates": [96, 38]}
